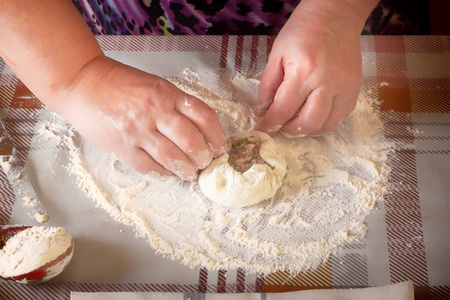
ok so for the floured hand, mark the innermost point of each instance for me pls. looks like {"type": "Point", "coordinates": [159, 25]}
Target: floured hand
{"type": "Point", "coordinates": [314, 73]}
{"type": "Point", "coordinates": [145, 120]}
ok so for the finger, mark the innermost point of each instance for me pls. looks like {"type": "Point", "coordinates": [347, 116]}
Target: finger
{"type": "Point", "coordinates": [167, 154]}
{"type": "Point", "coordinates": [187, 137]}
{"type": "Point", "coordinates": [351, 102]}
{"type": "Point", "coordinates": [332, 122]}
{"type": "Point", "coordinates": [341, 108]}
{"type": "Point", "coordinates": [142, 162]}
{"type": "Point", "coordinates": [205, 119]}
{"type": "Point", "coordinates": [312, 115]}
{"type": "Point", "coordinates": [271, 80]}
{"type": "Point", "coordinates": [288, 101]}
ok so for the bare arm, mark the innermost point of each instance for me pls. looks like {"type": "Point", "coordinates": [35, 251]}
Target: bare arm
{"type": "Point", "coordinates": [353, 12]}
{"type": "Point", "coordinates": [46, 43]}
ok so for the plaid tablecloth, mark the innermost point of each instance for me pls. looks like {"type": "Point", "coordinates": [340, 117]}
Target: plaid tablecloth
{"type": "Point", "coordinates": [408, 235]}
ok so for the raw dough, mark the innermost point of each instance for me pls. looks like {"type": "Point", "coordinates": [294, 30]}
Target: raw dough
{"type": "Point", "coordinates": [244, 185]}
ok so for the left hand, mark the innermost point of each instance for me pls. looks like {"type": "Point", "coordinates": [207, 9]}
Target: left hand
{"type": "Point", "coordinates": [313, 77]}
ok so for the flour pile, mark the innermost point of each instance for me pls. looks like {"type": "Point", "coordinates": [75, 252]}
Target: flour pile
{"type": "Point", "coordinates": [332, 183]}
{"type": "Point", "coordinates": [32, 248]}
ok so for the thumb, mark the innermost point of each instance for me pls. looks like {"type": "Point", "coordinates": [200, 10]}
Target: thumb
{"type": "Point", "coordinates": [271, 80]}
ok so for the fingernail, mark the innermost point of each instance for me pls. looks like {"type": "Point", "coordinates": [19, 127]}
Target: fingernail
{"type": "Point", "coordinates": [217, 151]}
{"type": "Point", "coordinates": [204, 157]}
{"type": "Point", "coordinates": [296, 134]}
{"type": "Point", "coordinates": [293, 136]}
{"type": "Point", "coordinates": [261, 109]}
{"type": "Point", "coordinates": [184, 170]}
{"type": "Point", "coordinates": [272, 130]}
{"type": "Point", "coordinates": [221, 151]}
{"type": "Point", "coordinates": [161, 177]}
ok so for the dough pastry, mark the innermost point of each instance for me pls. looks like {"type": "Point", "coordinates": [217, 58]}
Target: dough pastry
{"type": "Point", "coordinates": [251, 171]}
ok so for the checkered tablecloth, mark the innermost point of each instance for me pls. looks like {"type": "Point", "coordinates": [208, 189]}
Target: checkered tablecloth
{"type": "Point", "coordinates": [408, 235]}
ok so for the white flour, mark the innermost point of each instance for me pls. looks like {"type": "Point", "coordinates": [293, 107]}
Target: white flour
{"type": "Point", "coordinates": [32, 248]}
{"type": "Point", "coordinates": [332, 183]}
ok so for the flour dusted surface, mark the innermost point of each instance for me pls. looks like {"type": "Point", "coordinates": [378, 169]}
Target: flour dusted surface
{"type": "Point", "coordinates": [332, 183]}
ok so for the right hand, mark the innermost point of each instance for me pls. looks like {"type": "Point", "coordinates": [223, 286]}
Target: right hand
{"type": "Point", "coordinates": [145, 120]}
{"type": "Point", "coordinates": [313, 76]}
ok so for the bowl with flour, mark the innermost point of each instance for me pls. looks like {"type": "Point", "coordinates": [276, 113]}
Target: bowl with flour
{"type": "Point", "coordinates": [33, 254]}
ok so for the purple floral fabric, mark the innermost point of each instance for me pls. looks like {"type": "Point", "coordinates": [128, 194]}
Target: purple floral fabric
{"type": "Point", "coordinates": [258, 17]}
{"type": "Point", "coordinates": [191, 17]}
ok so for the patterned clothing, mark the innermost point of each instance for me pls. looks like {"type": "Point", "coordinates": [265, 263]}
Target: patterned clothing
{"type": "Point", "coordinates": [399, 17]}
{"type": "Point", "coordinates": [243, 17]}
{"type": "Point", "coordinates": [192, 17]}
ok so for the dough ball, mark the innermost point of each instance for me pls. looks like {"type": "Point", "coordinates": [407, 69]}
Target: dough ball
{"type": "Point", "coordinates": [251, 171]}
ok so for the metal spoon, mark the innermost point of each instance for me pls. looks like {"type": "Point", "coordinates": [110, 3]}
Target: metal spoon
{"type": "Point", "coordinates": [43, 273]}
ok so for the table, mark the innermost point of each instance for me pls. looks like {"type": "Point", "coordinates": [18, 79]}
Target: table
{"type": "Point", "coordinates": [409, 74]}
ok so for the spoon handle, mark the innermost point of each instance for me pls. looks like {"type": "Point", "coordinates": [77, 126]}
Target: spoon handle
{"type": "Point", "coordinates": [21, 184]}
{"type": "Point", "coordinates": [18, 178]}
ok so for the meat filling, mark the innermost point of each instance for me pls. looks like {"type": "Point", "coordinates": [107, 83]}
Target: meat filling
{"type": "Point", "coordinates": [244, 154]}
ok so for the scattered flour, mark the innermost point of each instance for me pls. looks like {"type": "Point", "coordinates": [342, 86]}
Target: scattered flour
{"type": "Point", "coordinates": [414, 131]}
{"type": "Point", "coordinates": [32, 248]}
{"type": "Point", "coordinates": [331, 184]}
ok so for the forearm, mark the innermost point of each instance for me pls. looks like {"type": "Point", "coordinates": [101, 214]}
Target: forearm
{"type": "Point", "coordinates": [46, 43]}
{"type": "Point", "coordinates": [354, 12]}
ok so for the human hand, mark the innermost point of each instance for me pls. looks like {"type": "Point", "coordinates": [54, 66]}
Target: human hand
{"type": "Point", "coordinates": [145, 120]}
{"type": "Point", "coordinates": [314, 74]}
